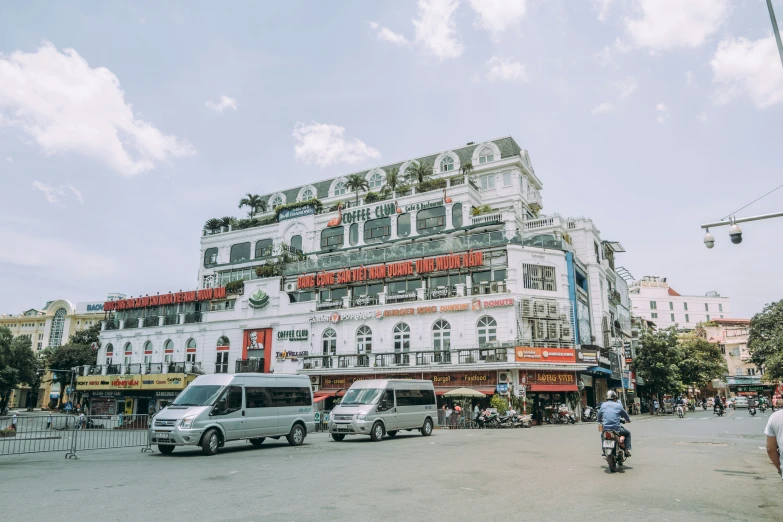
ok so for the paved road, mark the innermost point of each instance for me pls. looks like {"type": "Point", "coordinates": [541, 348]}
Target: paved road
{"type": "Point", "coordinates": [544, 473]}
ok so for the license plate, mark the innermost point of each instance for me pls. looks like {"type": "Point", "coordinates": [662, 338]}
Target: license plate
{"type": "Point", "coordinates": [609, 444]}
{"type": "Point", "coordinates": [161, 435]}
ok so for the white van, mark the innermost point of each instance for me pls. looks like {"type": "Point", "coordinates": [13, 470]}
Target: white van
{"type": "Point", "coordinates": [385, 406]}
{"type": "Point", "coordinates": [215, 409]}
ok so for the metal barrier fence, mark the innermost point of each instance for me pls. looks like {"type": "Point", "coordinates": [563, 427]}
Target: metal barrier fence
{"type": "Point", "coordinates": [72, 433]}
{"type": "Point", "coordinates": [456, 421]}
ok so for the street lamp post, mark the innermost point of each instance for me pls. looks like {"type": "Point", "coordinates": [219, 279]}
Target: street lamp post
{"type": "Point", "coordinates": [734, 231]}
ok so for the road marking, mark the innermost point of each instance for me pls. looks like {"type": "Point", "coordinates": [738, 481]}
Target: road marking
{"type": "Point", "coordinates": [738, 418]}
{"type": "Point", "coordinates": [705, 418]}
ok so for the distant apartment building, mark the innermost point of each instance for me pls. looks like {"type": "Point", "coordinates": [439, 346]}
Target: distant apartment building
{"type": "Point", "coordinates": [653, 299]}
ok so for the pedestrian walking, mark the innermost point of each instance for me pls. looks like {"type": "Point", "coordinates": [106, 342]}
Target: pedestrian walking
{"type": "Point", "coordinates": [82, 421]}
{"type": "Point", "coordinates": [655, 407]}
{"type": "Point", "coordinates": [774, 433]}
{"type": "Point", "coordinates": [448, 415]}
{"type": "Point", "coordinates": [14, 419]}
{"type": "Point", "coordinates": [49, 421]}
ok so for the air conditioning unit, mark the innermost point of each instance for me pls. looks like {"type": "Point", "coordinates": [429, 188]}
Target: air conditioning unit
{"type": "Point", "coordinates": [315, 379]}
{"type": "Point", "coordinates": [553, 330]}
{"type": "Point", "coordinates": [539, 308]}
{"type": "Point", "coordinates": [526, 305]}
{"type": "Point", "coordinates": [565, 332]}
{"type": "Point", "coordinates": [540, 330]}
{"type": "Point", "coordinates": [290, 286]}
{"type": "Point", "coordinates": [504, 377]}
{"type": "Point", "coordinates": [552, 308]}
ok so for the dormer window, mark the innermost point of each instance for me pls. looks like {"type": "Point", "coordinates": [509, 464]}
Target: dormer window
{"type": "Point", "coordinates": [447, 164]}
{"type": "Point", "coordinates": [340, 188]}
{"type": "Point", "coordinates": [276, 201]}
{"type": "Point", "coordinates": [375, 181]}
{"type": "Point", "coordinates": [307, 194]}
{"type": "Point", "coordinates": [486, 155]}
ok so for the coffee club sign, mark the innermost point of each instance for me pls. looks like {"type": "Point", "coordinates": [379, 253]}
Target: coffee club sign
{"type": "Point", "coordinates": [166, 299]}
{"type": "Point", "coordinates": [398, 269]}
{"type": "Point", "coordinates": [293, 335]}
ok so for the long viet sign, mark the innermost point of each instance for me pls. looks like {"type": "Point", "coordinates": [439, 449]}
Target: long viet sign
{"type": "Point", "coordinates": [397, 269]}
{"type": "Point", "coordinates": [166, 299]}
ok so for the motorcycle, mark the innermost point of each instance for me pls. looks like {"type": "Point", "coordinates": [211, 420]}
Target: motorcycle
{"type": "Point", "coordinates": [613, 448]}
{"type": "Point", "coordinates": [718, 411]}
{"type": "Point", "coordinates": [564, 416]}
{"type": "Point", "coordinates": [692, 406]}
{"type": "Point", "coordinates": [523, 421]}
{"type": "Point", "coordinates": [763, 407]}
{"type": "Point", "coordinates": [489, 420]}
{"type": "Point", "coordinates": [704, 405]}
{"type": "Point", "coordinates": [752, 411]}
{"type": "Point", "coordinates": [589, 414]}
{"type": "Point", "coordinates": [680, 411]}
{"type": "Point", "coordinates": [507, 420]}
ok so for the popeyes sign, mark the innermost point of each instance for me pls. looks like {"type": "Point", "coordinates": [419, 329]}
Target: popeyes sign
{"type": "Point", "coordinates": [552, 355]}
{"type": "Point", "coordinates": [166, 299]}
{"type": "Point", "coordinates": [399, 269]}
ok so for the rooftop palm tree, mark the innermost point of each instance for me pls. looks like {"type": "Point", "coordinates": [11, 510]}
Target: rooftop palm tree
{"type": "Point", "coordinates": [227, 221]}
{"type": "Point", "coordinates": [467, 168]}
{"type": "Point", "coordinates": [420, 172]}
{"type": "Point", "coordinates": [356, 183]}
{"type": "Point", "coordinates": [254, 202]}
{"type": "Point", "coordinates": [213, 225]}
{"type": "Point", "coordinates": [393, 180]}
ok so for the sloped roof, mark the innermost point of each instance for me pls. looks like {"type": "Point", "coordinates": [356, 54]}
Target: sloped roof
{"type": "Point", "coordinates": [673, 292]}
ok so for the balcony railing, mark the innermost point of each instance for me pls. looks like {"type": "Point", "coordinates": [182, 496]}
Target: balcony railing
{"type": "Point", "coordinates": [401, 297]}
{"type": "Point", "coordinates": [441, 292]}
{"type": "Point", "coordinates": [254, 365]}
{"type": "Point", "coordinates": [153, 368]}
{"type": "Point", "coordinates": [133, 369]}
{"type": "Point", "coordinates": [495, 217]}
{"type": "Point", "coordinates": [365, 300]}
{"type": "Point", "coordinates": [95, 370]}
{"type": "Point", "coordinates": [397, 359]}
{"type": "Point", "coordinates": [112, 369]}
{"type": "Point", "coordinates": [152, 320]}
{"type": "Point", "coordinates": [329, 305]}
{"type": "Point", "coordinates": [493, 287]}
{"type": "Point", "coordinates": [614, 297]}
{"type": "Point", "coordinates": [185, 367]}
{"type": "Point", "coordinates": [112, 324]}
{"type": "Point", "coordinates": [132, 322]}
{"type": "Point", "coordinates": [195, 317]}
{"type": "Point", "coordinates": [170, 320]}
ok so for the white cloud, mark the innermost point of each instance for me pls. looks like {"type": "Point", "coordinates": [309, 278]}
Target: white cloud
{"type": "Point", "coordinates": [222, 105]}
{"type": "Point", "coordinates": [496, 16]}
{"type": "Point", "coordinates": [67, 106]}
{"type": "Point", "coordinates": [742, 66]}
{"type": "Point", "coordinates": [602, 6]}
{"type": "Point", "coordinates": [702, 117]}
{"type": "Point", "coordinates": [606, 56]}
{"type": "Point", "coordinates": [9, 159]}
{"type": "Point", "coordinates": [21, 248]}
{"type": "Point", "coordinates": [668, 24]}
{"type": "Point", "coordinates": [626, 87]}
{"type": "Point", "coordinates": [603, 108]}
{"type": "Point", "coordinates": [323, 144]}
{"type": "Point", "coordinates": [662, 112]}
{"type": "Point", "coordinates": [387, 35]}
{"type": "Point", "coordinates": [506, 69]}
{"type": "Point", "coordinates": [689, 79]}
{"type": "Point", "coordinates": [59, 193]}
{"type": "Point", "coordinates": [436, 30]}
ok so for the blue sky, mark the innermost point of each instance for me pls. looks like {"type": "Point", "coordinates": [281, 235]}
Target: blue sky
{"type": "Point", "coordinates": [124, 126]}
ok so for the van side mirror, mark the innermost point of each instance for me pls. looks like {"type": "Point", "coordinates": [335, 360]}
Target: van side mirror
{"type": "Point", "coordinates": [383, 405]}
{"type": "Point", "coordinates": [221, 406]}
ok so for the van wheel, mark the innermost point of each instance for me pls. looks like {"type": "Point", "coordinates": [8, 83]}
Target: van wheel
{"type": "Point", "coordinates": [338, 437]}
{"type": "Point", "coordinates": [391, 433]}
{"type": "Point", "coordinates": [210, 442]}
{"type": "Point", "coordinates": [166, 449]}
{"type": "Point", "coordinates": [257, 442]}
{"type": "Point", "coordinates": [297, 435]}
{"type": "Point", "coordinates": [377, 432]}
{"type": "Point", "coordinates": [426, 430]}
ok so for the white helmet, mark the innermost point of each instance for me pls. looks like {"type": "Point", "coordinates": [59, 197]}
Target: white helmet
{"type": "Point", "coordinates": [611, 395]}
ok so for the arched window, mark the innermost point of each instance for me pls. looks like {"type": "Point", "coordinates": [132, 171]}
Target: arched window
{"type": "Point", "coordinates": [223, 341]}
{"type": "Point", "coordinates": [148, 346]}
{"type": "Point", "coordinates": [486, 155]}
{"type": "Point", "coordinates": [240, 252]}
{"type": "Point", "coordinates": [109, 350]}
{"type": "Point", "coordinates": [487, 329]}
{"type": "Point", "coordinates": [296, 242]}
{"type": "Point", "coordinates": [447, 164]}
{"type": "Point", "coordinates": [340, 188]}
{"type": "Point", "coordinates": [403, 225]}
{"type": "Point", "coordinates": [264, 247]}
{"type": "Point", "coordinates": [169, 345]}
{"type": "Point", "coordinates": [329, 342]}
{"type": "Point", "coordinates": [58, 324]}
{"type": "Point", "coordinates": [456, 215]}
{"type": "Point", "coordinates": [190, 351]}
{"type": "Point", "coordinates": [441, 335]}
{"type": "Point", "coordinates": [353, 234]}
{"type": "Point", "coordinates": [306, 195]}
{"type": "Point", "coordinates": [276, 201]}
{"type": "Point", "coordinates": [364, 340]}
{"type": "Point", "coordinates": [128, 352]}
{"type": "Point", "coordinates": [375, 181]}
{"type": "Point", "coordinates": [210, 257]}
{"type": "Point", "coordinates": [401, 336]}
{"type": "Point", "coordinates": [191, 343]}
{"type": "Point", "coordinates": [332, 238]}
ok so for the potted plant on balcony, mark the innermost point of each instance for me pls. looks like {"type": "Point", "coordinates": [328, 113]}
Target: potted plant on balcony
{"type": "Point", "coordinates": [235, 287]}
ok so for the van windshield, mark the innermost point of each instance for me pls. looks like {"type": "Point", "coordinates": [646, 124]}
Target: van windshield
{"type": "Point", "coordinates": [357, 396]}
{"type": "Point", "coordinates": [198, 395]}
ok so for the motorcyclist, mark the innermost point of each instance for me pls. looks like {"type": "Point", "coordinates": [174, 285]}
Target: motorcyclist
{"type": "Point", "coordinates": [717, 404]}
{"type": "Point", "coordinates": [704, 403]}
{"type": "Point", "coordinates": [610, 414]}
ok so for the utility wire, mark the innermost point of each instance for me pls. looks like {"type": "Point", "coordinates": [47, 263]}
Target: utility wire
{"type": "Point", "coordinates": [749, 204]}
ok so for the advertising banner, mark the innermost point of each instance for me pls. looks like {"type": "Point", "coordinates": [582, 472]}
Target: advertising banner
{"type": "Point", "coordinates": [544, 355]}
{"type": "Point", "coordinates": [258, 343]}
{"type": "Point", "coordinates": [162, 381]}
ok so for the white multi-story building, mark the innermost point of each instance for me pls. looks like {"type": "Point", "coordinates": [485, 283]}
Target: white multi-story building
{"type": "Point", "coordinates": [655, 300]}
{"type": "Point", "coordinates": [458, 279]}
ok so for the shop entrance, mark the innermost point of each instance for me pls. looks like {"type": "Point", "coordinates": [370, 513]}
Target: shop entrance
{"type": "Point", "coordinates": [546, 404]}
{"type": "Point", "coordinates": [142, 405]}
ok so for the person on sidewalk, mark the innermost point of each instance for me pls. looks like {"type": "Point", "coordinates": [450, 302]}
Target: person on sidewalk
{"type": "Point", "coordinates": [49, 421]}
{"type": "Point", "coordinates": [774, 433]}
{"type": "Point", "coordinates": [14, 419]}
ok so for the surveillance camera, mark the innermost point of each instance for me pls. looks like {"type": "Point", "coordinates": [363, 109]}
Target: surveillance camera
{"type": "Point", "coordinates": [735, 233]}
{"type": "Point", "coordinates": [709, 241]}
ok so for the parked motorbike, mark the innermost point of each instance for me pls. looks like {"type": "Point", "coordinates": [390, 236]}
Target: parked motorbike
{"type": "Point", "coordinates": [589, 414]}
{"type": "Point", "coordinates": [507, 420]}
{"type": "Point", "coordinates": [489, 420]}
{"type": "Point", "coordinates": [523, 421]}
{"type": "Point", "coordinates": [564, 416]}
{"type": "Point", "coordinates": [613, 447]}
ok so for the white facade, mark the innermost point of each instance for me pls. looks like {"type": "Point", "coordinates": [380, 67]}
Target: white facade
{"type": "Point", "coordinates": [655, 300]}
{"type": "Point", "coordinates": [467, 316]}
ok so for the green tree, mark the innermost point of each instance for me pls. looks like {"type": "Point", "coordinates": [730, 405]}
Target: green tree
{"type": "Point", "coordinates": [702, 361]}
{"type": "Point", "coordinates": [467, 168]}
{"type": "Point", "coordinates": [420, 172]}
{"type": "Point", "coordinates": [658, 357]}
{"type": "Point", "coordinates": [765, 342]}
{"type": "Point", "coordinates": [254, 203]}
{"type": "Point", "coordinates": [356, 183]}
{"type": "Point", "coordinates": [87, 336]}
{"type": "Point", "coordinates": [18, 364]}
{"type": "Point", "coordinates": [500, 403]}
{"type": "Point", "coordinates": [213, 225]}
{"type": "Point", "coordinates": [228, 221]}
{"type": "Point", "coordinates": [393, 180]}
{"type": "Point", "coordinates": [68, 357]}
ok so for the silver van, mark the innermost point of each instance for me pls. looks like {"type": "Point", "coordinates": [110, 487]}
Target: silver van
{"type": "Point", "coordinates": [385, 406]}
{"type": "Point", "coordinates": [215, 409]}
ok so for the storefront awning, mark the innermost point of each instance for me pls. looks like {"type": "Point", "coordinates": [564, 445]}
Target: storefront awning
{"type": "Point", "coordinates": [317, 399]}
{"type": "Point", "coordinates": [553, 387]}
{"type": "Point", "coordinates": [599, 369]}
{"type": "Point", "coordinates": [486, 390]}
